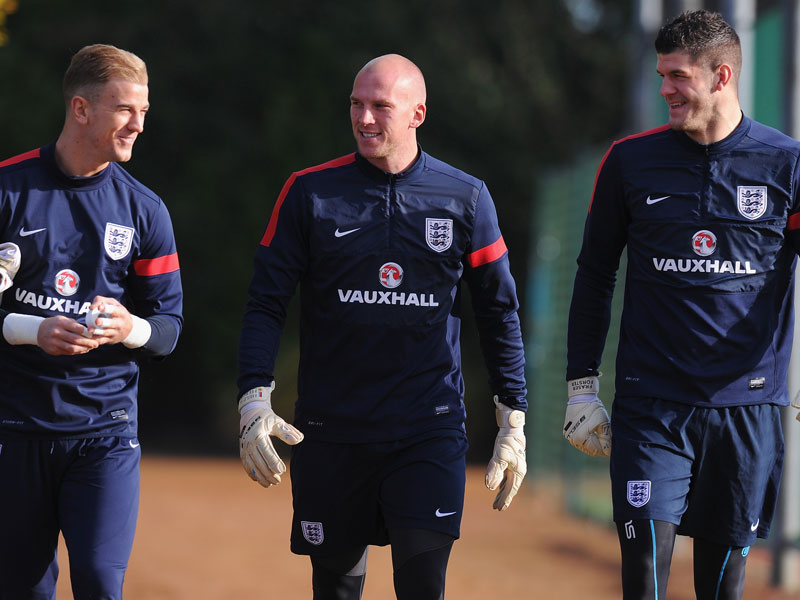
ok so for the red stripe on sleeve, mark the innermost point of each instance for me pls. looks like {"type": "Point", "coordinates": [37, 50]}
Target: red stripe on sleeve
{"type": "Point", "coordinates": [157, 266]}
{"type": "Point", "coordinates": [605, 156]}
{"type": "Point", "coordinates": [794, 221]}
{"type": "Point", "coordinates": [488, 254]}
{"type": "Point", "coordinates": [19, 158]}
{"type": "Point", "coordinates": [273, 220]}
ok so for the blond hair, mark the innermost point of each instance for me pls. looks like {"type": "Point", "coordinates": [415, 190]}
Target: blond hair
{"type": "Point", "coordinates": [92, 66]}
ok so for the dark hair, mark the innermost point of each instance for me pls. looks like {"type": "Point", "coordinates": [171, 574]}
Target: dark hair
{"type": "Point", "coordinates": [705, 36]}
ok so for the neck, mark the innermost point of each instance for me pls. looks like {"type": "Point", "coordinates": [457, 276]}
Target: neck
{"type": "Point", "coordinates": [74, 159]}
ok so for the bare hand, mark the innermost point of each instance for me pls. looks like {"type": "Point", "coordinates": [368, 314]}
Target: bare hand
{"type": "Point", "coordinates": [113, 328]}
{"type": "Point", "coordinates": [62, 336]}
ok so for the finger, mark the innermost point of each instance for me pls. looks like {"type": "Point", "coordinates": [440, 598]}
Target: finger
{"type": "Point", "coordinates": [260, 471]}
{"type": "Point", "coordinates": [494, 473]}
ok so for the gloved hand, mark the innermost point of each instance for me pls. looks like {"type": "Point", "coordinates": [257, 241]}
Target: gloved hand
{"type": "Point", "coordinates": [796, 404]}
{"type": "Point", "coordinates": [586, 425]}
{"type": "Point", "coordinates": [9, 264]}
{"type": "Point", "coordinates": [508, 466]}
{"type": "Point", "coordinates": [257, 422]}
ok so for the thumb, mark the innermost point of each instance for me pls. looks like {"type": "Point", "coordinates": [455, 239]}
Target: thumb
{"type": "Point", "coordinates": [286, 432]}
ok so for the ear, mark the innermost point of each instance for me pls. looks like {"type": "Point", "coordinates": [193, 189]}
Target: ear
{"type": "Point", "coordinates": [724, 76]}
{"type": "Point", "coordinates": [419, 116]}
{"type": "Point", "coordinates": [79, 109]}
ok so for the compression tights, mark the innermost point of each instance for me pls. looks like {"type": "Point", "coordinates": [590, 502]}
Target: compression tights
{"type": "Point", "coordinates": [419, 558]}
{"type": "Point", "coordinates": [647, 547]}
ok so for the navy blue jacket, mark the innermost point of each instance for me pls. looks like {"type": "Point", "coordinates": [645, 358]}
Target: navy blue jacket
{"type": "Point", "coordinates": [712, 233]}
{"type": "Point", "coordinates": [80, 237]}
{"type": "Point", "coordinates": [380, 259]}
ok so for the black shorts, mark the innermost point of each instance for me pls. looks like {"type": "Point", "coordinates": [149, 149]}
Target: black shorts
{"type": "Point", "coordinates": [714, 472]}
{"type": "Point", "coordinates": [350, 495]}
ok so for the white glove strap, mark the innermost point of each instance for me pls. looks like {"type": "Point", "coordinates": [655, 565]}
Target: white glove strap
{"type": "Point", "coordinates": [140, 333]}
{"type": "Point", "coordinates": [584, 385]}
{"type": "Point", "coordinates": [21, 329]}
{"type": "Point", "coordinates": [258, 396]}
{"type": "Point", "coordinates": [507, 417]}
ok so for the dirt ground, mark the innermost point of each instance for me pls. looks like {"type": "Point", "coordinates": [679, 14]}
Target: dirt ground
{"type": "Point", "coordinates": [206, 532]}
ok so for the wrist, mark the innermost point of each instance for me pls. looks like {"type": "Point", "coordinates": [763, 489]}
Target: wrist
{"type": "Point", "coordinates": [583, 386]}
{"type": "Point", "coordinates": [508, 418]}
{"type": "Point", "coordinates": [258, 396]}
{"type": "Point", "coordinates": [22, 329]}
{"type": "Point", "coordinates": [140, 333]}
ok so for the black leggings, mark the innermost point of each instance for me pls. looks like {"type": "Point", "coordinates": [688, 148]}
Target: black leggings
{"type": "Point", "coordinates": [419, 559]}
{"type": "Point", "coordinates": [647, 553]}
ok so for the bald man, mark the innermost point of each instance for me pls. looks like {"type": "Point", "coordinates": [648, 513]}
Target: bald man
{"type": "Point", "coordinates": [380, 241]}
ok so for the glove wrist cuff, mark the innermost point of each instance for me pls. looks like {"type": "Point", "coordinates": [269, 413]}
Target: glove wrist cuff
{"type": "Point", "coordinates": [584, 385]}
{"type": "Point", "coordinates": [259, 394]}
{"type": "Point", "coordinates": [508, 418]}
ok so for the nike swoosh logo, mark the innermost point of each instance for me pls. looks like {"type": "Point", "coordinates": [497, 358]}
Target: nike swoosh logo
{"type": "Point", "coordinates": [754, 526]}
{"type": "Point", "coordinates": [24, 233]}
{"type": "Point", "coordinates": [338, 233]}
{"type": "Point", "coordinates": [654, 200]}
{"type": "Point", "coordinates": [439, 513]}
{"type": "Point", "coordinates": [133, 444]}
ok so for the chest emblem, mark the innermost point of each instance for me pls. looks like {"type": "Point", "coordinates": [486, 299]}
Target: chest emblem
{"type": "Point", "coordinates": [704, 243]}
{"type": "Point", "coordinates": [390, 275]}
{"type": "Point", "coordinates": [439, 234]}
{"type": "Point", "coordinates": [67, 282]}
{"type": "Point", "coordinates": [751, 200]}
{"type": "Point", "coordinates": [117, 241]}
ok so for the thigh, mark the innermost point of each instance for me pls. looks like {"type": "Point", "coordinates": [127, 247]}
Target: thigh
{"type": "Point", "coordinates": [98, 507]}
{"type": "Point", "coordinates": [651, 459]}
{"type": "Point", "coordinates": [29, 471]}
{"type": "Point", "coordinates": [738, 473]}
{"type": "Point", "coordinates": [424, 484]}
{"type": "Point", "coordinates": [335, 498]}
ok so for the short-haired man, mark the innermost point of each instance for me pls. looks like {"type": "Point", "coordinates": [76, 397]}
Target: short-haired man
{"type": "Point", "coordinates": [95, 286]}
{"type": "Point", "coordinates": [709, 209]}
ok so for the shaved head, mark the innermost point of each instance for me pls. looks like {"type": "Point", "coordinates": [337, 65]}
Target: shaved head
{"type": "Point", "coordinates": [387, 106]}
{"type": "Point", "coordinates": [404, 73]}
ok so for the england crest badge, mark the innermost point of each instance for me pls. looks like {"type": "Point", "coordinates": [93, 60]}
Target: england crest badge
{"type": "Point", "coordinates": [312, 531]}
{"type": "Point", "coordinates": [751, 200]}
{"type": "Point", "coordinates": [439, 234]}
{"type": "Point", "coordinates": [638, 493]}
{"type": "Point", "coordinates": [118, 240]}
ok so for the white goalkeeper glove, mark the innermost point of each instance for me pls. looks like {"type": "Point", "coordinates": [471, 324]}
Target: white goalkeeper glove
{"type": "Point", "coordinates": [508, 466]}
{"type": "Point", "coordinates": [586, 425]}
{"type": "Point", "coordinates": [256, 424]}
{"type": "Point", "coordinates": [9, 265]}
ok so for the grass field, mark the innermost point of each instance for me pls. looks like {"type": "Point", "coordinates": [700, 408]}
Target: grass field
{"type": "Point", "coordinates": [206, 532]}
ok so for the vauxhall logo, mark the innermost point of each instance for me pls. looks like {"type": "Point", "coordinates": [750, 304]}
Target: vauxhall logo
{"type": "Point", "coordinates": [703, 243]}
{"type": "Point", "coordinates": [390, 276]}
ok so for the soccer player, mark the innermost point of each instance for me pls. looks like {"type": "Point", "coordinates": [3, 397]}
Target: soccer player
{"type": "Point", "coordinates": [380, 241]}
{"type": "Point", "coordinates": [709, 211]}
{"type": "Point", "coordinates": [95, 287]}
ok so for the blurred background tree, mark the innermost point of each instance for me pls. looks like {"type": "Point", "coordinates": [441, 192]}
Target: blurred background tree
{"type": "Point", "coordinates": [244, 93]}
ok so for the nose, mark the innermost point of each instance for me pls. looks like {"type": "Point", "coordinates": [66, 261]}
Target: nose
{"type": "Point", "coordinates": [667, 88]}
{"type": "Point", "coordinates": [136, 122]}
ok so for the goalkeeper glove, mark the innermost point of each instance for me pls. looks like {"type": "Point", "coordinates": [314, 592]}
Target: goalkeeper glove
{"type": "Point", "coordinates": [508, 466]}
{"type": "Point", "coordinates": [586, 425]}
{"type": "Point", "coordinates": [9, 265]}
{"type": "Point", "coordinates": [257, 423]}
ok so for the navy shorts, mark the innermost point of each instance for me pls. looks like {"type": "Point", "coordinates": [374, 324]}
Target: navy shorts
{"type": "Point", "coordinates": [89, 490]}
{"type": "Point", "coordinates": [714, 472]}
{"type": "Point", "coordinates": [349, 495]}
